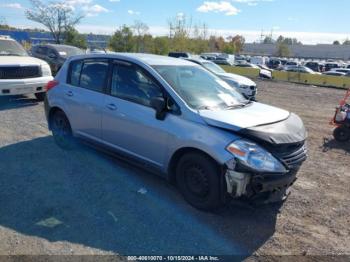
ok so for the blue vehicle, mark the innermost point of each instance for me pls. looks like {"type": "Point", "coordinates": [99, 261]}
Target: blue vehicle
{"type": "Point", "coordinates": [180, 120]}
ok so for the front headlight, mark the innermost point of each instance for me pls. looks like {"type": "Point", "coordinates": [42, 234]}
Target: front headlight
{"type": "Point", "coordinates": [45, 70]}
{"type": "Point", "coordinates": [253, 156]}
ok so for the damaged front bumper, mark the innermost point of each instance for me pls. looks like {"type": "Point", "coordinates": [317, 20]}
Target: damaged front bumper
{"type": "Point", "coordinates": [264, 188]}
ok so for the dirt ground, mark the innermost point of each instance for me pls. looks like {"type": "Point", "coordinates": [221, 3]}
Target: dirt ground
{"type": "Point", "coordinates": [84, 202]}
{"type": "Point", "coordinates": [316, 218]}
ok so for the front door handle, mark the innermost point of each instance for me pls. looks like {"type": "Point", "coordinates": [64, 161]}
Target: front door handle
{"type": "Point", "coordinates": [112, 107]}
{"type": "Point", "coordinates": [69, 93]}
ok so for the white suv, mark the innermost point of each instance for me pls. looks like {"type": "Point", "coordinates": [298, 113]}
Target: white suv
{"type": "Point", "coordinates": [21, 74]}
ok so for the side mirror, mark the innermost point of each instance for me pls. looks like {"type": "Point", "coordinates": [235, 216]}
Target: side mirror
{"type": "Point", "coordinates": [52, 56]}
{"type": "Point", "coordinates": [159, 104]}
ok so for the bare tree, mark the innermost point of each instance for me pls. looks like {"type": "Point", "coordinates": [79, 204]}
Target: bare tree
{"type": "Point", "coordinates": [56, 16]}
{"type": "Point", "coordinates": [180, 30]}
{"type": "Point", "coordinates": [140, 31]}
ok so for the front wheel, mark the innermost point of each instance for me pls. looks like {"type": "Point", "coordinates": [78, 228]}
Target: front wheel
{"type": "Point", "coordinates": [61, 130]}
{"type": "Point", "coordinates": [342, 134]}
{"type": "Point", "coordinates": [198, 179]}
{"type": "Point", "coordinates": [40, 96]}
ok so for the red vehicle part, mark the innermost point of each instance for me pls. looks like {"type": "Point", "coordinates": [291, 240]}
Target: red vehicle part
{"type": "Point", "coordinates": [342, 103]}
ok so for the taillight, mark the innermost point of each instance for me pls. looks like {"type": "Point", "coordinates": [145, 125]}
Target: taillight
{"type": "Point", "coordinates": [51, 85]}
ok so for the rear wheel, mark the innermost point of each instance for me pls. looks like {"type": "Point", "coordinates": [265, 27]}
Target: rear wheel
{"type": "Point", "coordinates": [40, 96]}
{"type": "Point", "coordinates": [198, 180]}
{"type": "Point", "coordinates": [61, 130]}
{"type": "Point", "coordinates": [342, 134]}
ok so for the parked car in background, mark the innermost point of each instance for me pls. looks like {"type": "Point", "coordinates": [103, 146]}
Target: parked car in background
{"type": "Point", "coordinates": [240, 59]}
{"type": "Point", "coordinates": [222, 61]}
{"type": "Point", "coordinates": [315, 66]}
{"type": "Point", "coordinates": [274, 64]}
{"type": "Point", "coordinates": [242, 84]}
{"type": "Point", "coordinates": [179, 54]}
{"type": "Point", "coordinates": [334, 73]}
{"type": "Point", "coordinates": [209, 56]}
{"type": "Point", "coordinates": [55, 55]}
{"type": "Point", "coordinates": [283, 61]}
{"type": "Point", "coordinates": [330, 65]}
{"type": "Point", "coordinates": [181, 121]}
{"type": "Point", "coordinates": [258, 60]}
{"type": "Point", "coordinates": [291, 63]}
{"type": "Point", "coordinates": [265, 68]}
{"type": "Point", "coordinates": [341, 70]}
{"type": "Point", "coordinates": [21, 74]}
{"type": "Point", "coordinates": [263, 72]}
{"type": "Point", "coordinates": [300, 69]}
{"type": "Point", "coordinates": [219, 58]}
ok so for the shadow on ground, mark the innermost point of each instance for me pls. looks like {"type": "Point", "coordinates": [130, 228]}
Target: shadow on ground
{"type": "Point", "coordinates": [86, 197]}
{"type": "Point", "coordinates": [331, 143]}
{"type": "Point", "coordinates": [11, 102]}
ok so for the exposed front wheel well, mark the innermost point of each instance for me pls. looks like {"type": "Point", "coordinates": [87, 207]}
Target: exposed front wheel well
{"type": "Point", "coordinates": [178, 155]}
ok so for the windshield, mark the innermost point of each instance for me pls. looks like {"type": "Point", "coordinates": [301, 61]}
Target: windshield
{"type": "Point", "coordinates": [213, 68]}
{"type": "Point", "coordinates": [10, 47]}
{"type": "Point", "coordinates": [67, 51]}
{"type": "Point", "coordinates": [201, 89]}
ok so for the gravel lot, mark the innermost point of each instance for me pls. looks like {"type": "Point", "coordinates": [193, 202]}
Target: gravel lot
{"type": "Point", "coordinates": [85, 202]}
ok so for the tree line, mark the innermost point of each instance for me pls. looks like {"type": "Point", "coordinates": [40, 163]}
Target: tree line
{"type": "Point", "coordinates": [181, 37]}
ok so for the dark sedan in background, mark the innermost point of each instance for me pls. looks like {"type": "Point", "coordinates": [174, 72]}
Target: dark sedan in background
{"type": "Point", "coordinates": [55, 55]}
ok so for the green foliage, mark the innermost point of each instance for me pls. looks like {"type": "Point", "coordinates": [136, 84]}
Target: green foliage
{"type": "Point", "coordinates": [161, 45]}
{"type": "Point", "coordinates": [72, 37]}
{"type": "Point", "coordinates": [346, 42]}
{"type": "Point", "coordinates": [336, 42]}
{"type": "Point", "coordinates": [268, 40]}
{"type": "Point", "coordinates": [282, 50]}
{"type": "Point", "coordinates": [288, 41]}
{"type": "Point", "coordinates": [137, 39]}
{"type": "Point", "coordinates": [123, 40]}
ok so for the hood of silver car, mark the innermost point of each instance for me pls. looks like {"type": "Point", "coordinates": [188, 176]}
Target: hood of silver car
{"type": "Point", "coordinates": [237, 78]}
{"type": "Point", "coordinates": [252, 115]}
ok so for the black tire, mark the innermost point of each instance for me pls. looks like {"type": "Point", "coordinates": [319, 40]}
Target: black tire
{"type": "Point", "coordinates": [40, 96]}
{"type": "Point", "coordinates": [198, 179]}
{"type": "Point", "coordinates": [61, 130]}
{"type": "Point", "coordinates": [342, 134]}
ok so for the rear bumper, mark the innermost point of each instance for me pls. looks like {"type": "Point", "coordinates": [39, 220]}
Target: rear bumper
{"type": "Point", "coordinates": [23, 86]}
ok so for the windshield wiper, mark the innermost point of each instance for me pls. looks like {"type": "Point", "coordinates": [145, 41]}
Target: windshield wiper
{"type": "Point", "coordinates": [204, 107]}
{"type": "Point", "coordinates": [235, 106]}
{"type": "Point", "coordinates": [241, 105]}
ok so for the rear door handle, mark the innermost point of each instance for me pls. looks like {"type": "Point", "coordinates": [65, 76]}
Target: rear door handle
{"type": "Point", "coordinates": [69, 93]}
{"type": "Point", "coordinates": [112, 107]}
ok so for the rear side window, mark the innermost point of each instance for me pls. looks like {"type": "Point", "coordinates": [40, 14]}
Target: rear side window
{"type": "Point", "coordinates": [75, 73]}
{"type": "Point", "coordinates": [89, 74]}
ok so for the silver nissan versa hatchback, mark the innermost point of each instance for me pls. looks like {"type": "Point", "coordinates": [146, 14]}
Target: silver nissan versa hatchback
{"type": "Point", "coordinates": [180, 120]}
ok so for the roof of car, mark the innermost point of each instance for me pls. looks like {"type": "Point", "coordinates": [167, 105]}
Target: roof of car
{"type": "Point", "coordinates": [144, 58]}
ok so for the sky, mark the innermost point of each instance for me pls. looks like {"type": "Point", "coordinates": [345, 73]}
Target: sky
{"type": "Point", "coordinates": [311, 21]}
